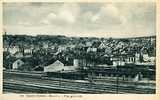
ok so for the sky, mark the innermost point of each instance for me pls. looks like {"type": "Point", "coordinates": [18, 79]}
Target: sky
{"type": "Point", "coordinates": [80, 19]}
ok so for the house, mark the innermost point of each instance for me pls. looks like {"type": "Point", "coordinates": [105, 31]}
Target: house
{"type": "Point", "coordinates": [28, 50]}
{"type": "Point", "coordinates": [96, 44]}
{"type": "Point", "coordinates": [5, 48]}
{"type": "Point", "coordinates": [152, 59]}
{"type": "Point", "coordinates": [92, 49]}
{"type": "Point", "coordinates": [79, 63]}
{"type": "Point", "coordinates": [145, 57]}
{"type": "Point", "coordinates": [45, 45]}
{"type": "Point", "coordinates": [61, 48]}
{"type": "Point", "coordinates": [88, 44]}
{"type": "Point", "coordinates": [4, 68]}
{"type": "Point", "coordinates": [52, 47]}
{"type": "Point", "coordinates": [129, 59]}
{"type": "Point", "coordinates": [58, 66]}
{"type": "Point", "coordinates": [137, 57]}
{"type": "Point", "coordinates": [36, 48]}
{"type": "Point", "coordinates": [14, 49]}
{"type": "Point", "coordinates": [108, 50]}
{"type": "Point", "coordinates": [72, 46]}
{"type": "Point", "coordinates": [121, 63]}
{"type": "Point", "coordinates": [117, 62]}
{"type": "Point", "coordinates": [18, 54]}
{"type": "Point", "coordinates": [122, 59]}
{"type": "Point", "coordinates": [16, 64]}
{"type": "Point", "coordinates": [102, 45]}
{"type": "Point", "coordinates": [81, 45]}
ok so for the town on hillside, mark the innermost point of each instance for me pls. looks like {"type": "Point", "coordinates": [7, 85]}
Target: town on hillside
{"type": "Point", "coordinates": [90, 59]}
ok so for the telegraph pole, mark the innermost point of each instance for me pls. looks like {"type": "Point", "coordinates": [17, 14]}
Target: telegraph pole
{"type": "Point", "coordinates": [117, 79]}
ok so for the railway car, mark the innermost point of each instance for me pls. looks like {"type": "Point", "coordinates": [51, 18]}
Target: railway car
{"type": "Point", "coordinates": [66, 75]}
{"type": "Point", "coordinates": [147, 71]}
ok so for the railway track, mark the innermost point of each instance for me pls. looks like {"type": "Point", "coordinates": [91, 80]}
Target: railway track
{"type": "Point", "coordinates": [97, 88]}
{"type": "Point", "coordinates": [40, 75]}
{"type": "Point", "coordinates": [69, 86]}
{"type": "Point", "coordinates": [39, 88]}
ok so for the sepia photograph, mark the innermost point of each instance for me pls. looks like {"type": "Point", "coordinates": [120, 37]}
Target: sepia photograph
{"type": "Point", "coordinates": [79, 47]}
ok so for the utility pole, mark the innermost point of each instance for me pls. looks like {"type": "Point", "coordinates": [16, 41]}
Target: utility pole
{"type": "Point", "coordinates": [90, 66]}
{"type": "Point", "coordinates": [59, 77]}
{"type": "Point", "coordinates": [148, 79]}
{"type": "Point", "coordinates": [117, 78]}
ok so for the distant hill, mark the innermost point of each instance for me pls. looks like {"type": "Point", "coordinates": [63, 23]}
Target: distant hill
{"type": "Point", "coordinates": [57, 39]}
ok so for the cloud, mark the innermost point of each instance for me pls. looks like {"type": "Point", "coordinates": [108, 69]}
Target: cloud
{"type": "Point", "coordinates": [90, 19]}
{"type": "Point", "coordinates": [109, 14]}
{"type": "Point", "coordinates": [25, 23]}
{"type": "Point", "coordinates": [52, 16]}
{"type": "Point", "coordinates": [49, 17]}
{"type": "Point", "coordinates": [70, 12]}
{"type": "Point", "coordinates": [67, 14]}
